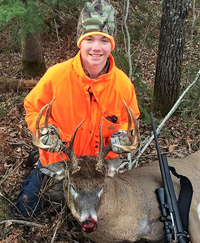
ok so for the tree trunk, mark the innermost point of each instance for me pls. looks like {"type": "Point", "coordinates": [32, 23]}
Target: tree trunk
{"type": "Point", "coordinates": [170, 55]}
{"type": "Point", "coordinates": [33, 63]}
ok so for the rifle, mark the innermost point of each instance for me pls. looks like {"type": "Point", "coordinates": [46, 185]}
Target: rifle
{"type": "Point", "coordinates": [171, 218]}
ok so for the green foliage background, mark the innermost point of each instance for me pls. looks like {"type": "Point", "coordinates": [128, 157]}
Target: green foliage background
{"type": "Point", "coordinates": [29, 15]}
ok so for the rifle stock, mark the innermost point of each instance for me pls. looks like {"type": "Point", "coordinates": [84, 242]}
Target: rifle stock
{"type": "Point", "coordinates": [167, 199]}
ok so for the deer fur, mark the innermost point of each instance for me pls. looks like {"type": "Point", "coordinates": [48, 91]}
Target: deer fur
{"type": "Point", "coordinates": [122, 208]}
{"type": "Point", "coordinates": [128, 210]}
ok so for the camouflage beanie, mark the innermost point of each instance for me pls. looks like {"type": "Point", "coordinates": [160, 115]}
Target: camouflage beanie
{"type": "Point", "coordinates": [98, 17]}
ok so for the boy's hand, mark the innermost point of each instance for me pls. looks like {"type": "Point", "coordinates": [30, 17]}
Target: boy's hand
{"type": "Point", "coordinates": [120, 138]}
{"type": "Point", "coordinates": [52, 139]}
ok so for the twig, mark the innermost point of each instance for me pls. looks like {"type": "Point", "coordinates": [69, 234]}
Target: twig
{"type": "Point", "coordinates": [58, 224]}
{"type": "Point", "coordinates": [1, 195]}
{"type": "Point", "coordinates": [17, 144]}
{"type": "Point", "coordinates": [128, 40]}
{"type": "Point", "coordinates": [11, 170]}
{"type": "Point", "coordinates": [16, 221]}
{"type": "Point", "coordinates": [191, 40]}
{"type": "Point", "coordinates": [56, 31]}
{"type": "Point", "coordinates": [135, 161]}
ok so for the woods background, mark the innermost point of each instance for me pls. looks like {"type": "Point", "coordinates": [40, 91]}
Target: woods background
{"type": "Point", "coordinates": [157, 45]}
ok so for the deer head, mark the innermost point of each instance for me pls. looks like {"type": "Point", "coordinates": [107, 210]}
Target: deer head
{"type": "Point", "coordinates": [83, 182]}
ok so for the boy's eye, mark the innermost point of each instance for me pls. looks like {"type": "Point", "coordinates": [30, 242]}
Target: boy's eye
{"type": "Point", "coordinates": [89, 39]}
{"type": "Point", "coordinates": [105, 40]}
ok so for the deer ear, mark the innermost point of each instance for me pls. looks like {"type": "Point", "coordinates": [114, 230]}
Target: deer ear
{"type": "Point", "coordinates": [55, 170]}
{"type": "Point", "coordinates": [115, 166]}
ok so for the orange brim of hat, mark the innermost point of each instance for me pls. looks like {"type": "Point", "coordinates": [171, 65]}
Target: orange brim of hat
{"type": "Point", "coordinates": [96, 33]}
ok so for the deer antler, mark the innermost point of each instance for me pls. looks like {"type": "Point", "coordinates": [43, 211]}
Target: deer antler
{"type": "Point", "coordinates": [134, 139]}
{"type": "Point", "coordinates": [37, 140]}
{"type": "Point", "coordinates": [70, 151]}
{"type": "Point", "coordinates": [40, 132]}
{"type": "Point", "coordinates": [104, 150]}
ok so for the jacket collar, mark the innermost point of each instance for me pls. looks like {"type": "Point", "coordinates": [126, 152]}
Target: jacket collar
{"type": "Point", "coordinates": [100, 87]}
{"type": "Point", "coordinates": [103, 71]}
{"type": "Point", "coordinates": [86, 81]}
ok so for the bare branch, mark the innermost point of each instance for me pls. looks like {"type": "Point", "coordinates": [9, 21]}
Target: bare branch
{"type": "Point", "coordinates": [135, 162]}
{"type": "Point", "coordinates": [128, 40]}
{"type": "Point", "coordinates": [191, 39]}
{"type": "Point", "coordinates": [60, 221]}
{"type": "Point", "coordinates": [16, 221]}
{"type": "Point", "coordinates": [56, 27]}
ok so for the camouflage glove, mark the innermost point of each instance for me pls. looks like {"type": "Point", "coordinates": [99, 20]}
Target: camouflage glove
{"type": "Point", "coordinates": [51, 138]}
{"type": "Point", "coordinates": [119, 137]}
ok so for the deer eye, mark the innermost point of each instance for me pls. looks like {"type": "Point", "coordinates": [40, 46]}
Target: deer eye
{"type": "Point", "coordinates": [73, 192]}
{"type": "Point", "coordinates": [100, 192]}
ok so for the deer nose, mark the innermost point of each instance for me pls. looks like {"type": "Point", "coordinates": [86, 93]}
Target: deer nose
{"type": "Point", "coordinates": [89, 225]}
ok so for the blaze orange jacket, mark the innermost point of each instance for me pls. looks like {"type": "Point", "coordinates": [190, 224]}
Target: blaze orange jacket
{"type": "Point", "coordinates": [78, 97]}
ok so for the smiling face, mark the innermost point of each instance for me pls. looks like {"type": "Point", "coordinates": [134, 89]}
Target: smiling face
{"type": "Point", "coordinates": [95, 50]}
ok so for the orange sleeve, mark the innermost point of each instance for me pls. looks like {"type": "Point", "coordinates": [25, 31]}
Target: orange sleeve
{"type": "Point", "coordinates": [39, 96]}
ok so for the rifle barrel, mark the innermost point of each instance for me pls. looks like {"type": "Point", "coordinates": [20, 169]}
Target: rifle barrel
{"type": "Point", "coordinates": [169, 197]}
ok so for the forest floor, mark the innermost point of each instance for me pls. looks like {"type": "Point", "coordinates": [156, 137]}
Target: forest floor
{"type": "Point", "coordinates": [177, 139]}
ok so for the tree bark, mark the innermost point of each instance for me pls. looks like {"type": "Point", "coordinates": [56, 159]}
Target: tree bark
{"type": "Point", "coordinates": [170, 55]}
{"type": "Point", "coordinates": [33, 63]}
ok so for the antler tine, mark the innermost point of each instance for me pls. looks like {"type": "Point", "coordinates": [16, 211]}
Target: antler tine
{"type": "Point", "coordinates": [129, 119]}
{"type": "Point", "coordinates": [131, 115]}
{"type": "Point", "coordinates": [70, 151]}
{"type": "Point", "coordinates": [37, 139]}
{"type": "Point", "coordinates": [45, 128]}
{"type": "Point", "coordinates": [103, 150]}
{"type": "Point", "coordinates": [101, 137]}
{"type": "Point", "coordinates": [134, 139]}
{"type": "Point", "coordinates": [100, 156]}
{"type": "Point", "coordinates": [37, 128]}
